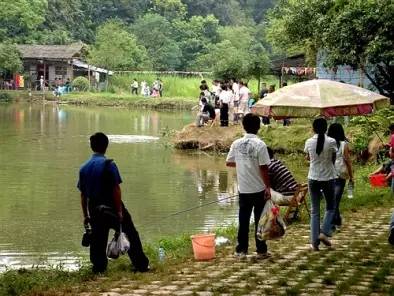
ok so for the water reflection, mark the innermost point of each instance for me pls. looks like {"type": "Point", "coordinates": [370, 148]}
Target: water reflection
{"type": "Point", "coordinates": [41, 149]}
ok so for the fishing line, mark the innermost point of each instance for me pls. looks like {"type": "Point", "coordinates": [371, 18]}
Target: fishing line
{"type": "Point", "coordinates": [192, 209]}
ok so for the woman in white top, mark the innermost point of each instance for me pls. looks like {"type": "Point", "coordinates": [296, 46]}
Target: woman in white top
{"type": "Point", "coordinates": [225, 98]}
{"type": "Point", "coordinates": [321, 151]}
{"type": "Point", "coordinates": [343, 168]}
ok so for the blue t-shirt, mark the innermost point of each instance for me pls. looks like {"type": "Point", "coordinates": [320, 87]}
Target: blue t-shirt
{"type": "Point", "coordinates": [90, 181]}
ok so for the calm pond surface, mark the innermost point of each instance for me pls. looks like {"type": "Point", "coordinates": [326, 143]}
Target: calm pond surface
{"type": "Point", "coordinates": [41, 150]}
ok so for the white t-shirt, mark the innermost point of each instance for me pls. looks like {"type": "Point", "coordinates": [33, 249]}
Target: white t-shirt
{"type": "Point", "coordinates": [226, 97]}
{"type": "Point", "coordinates": [134, 84]}
{"type": "Point", "coordinates": [235, 88]}
{"type": "Point", "coordinates": [244, 94]}
{"type": "Point", "coordinates": [321, 166]}
{"type": "Point", "coordinates": [249, 153]}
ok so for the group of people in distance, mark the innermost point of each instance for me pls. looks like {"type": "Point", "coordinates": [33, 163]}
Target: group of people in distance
{"type": "Point", "coordinates": [156, 90]}
{"type": "Point", "coordinates": [231, 98]}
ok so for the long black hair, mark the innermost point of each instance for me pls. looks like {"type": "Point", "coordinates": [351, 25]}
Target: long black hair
{"type": "Point", "coordinates": [336, 132]}
{"type": "Point", "coordinates": [320, 128]}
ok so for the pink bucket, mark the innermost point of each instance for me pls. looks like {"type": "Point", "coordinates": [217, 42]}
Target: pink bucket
{"type": "Point", "coordinates": [203, 246]}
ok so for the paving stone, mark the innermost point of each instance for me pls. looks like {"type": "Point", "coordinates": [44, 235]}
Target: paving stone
{"type": "Point", "coordinates": [161, 292]}
{"type": "Point", "coordinates": [183, 293]}
{"type": "Point", "coordinates": [140, 291]}
{"type": "Point", "coordinates": [149, 287]}
{"type": "Point", "coordinates": [170, 287]}
{"type": "Point", "coordinates": [204, 293]}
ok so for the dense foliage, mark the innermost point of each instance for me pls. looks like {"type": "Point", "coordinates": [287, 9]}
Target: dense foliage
{"type": "Point", "coordinates": [140, 34]}
{"type": "Point", "coordinates": [359, 33]}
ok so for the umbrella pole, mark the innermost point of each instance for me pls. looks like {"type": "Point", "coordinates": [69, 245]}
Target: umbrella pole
{"type": "Point", "coordinates": [366, 118]}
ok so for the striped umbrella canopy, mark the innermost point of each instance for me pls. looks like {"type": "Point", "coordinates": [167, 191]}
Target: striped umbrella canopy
{"type": "Point", "coordinates": [319, 97]}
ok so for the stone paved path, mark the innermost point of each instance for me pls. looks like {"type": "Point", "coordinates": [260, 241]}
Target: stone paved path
{"type": "Point", "coordinates": [362, 263]}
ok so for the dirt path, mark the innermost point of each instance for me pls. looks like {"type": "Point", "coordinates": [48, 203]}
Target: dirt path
{"type": "Point", "coordinates": [362, 263]}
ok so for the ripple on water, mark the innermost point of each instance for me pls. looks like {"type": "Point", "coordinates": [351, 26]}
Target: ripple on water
{"type": "Point", "coordinates": [128, 139]}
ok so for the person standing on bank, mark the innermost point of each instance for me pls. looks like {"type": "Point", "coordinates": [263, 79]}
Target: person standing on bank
{"type": "Point", "coordinates": [250, 157]}
{"type": "Point", "coordinates": [225, 99]}
{"type": "Point", "coordinates": [343, 168]}
{"type": "Point", "coordinates": [102, 207]}
{"type": "Point", "coordinates": [134, 87]}
{"type": "Point", "coordinates": [321, 151]}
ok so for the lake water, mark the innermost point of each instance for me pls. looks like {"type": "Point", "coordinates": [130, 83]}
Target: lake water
{"type": "Point", "coordinates": [41, 150]}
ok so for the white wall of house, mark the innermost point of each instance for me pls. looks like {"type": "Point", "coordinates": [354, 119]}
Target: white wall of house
{"type": "Point", "coordinates": [343, 73]}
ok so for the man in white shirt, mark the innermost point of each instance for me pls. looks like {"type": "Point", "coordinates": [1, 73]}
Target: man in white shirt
{"type": "Point", "coordinates": [243, 98]}
{"type": "Point", "coordinates": [134, 87]}
{"type": "Point", "coordinates": [225, 99]}
{"type": "Point", "coordinates": [250, 157]}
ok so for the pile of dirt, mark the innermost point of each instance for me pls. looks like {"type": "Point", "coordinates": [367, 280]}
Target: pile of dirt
{"type": "Point", "coordinates": [207, 138]}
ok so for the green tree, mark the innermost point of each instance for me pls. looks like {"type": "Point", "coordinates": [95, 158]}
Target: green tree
{"type": "Point", "coordinates": [238, 54]}
{"type": "Point", "coordinates": [117, 49]}
{"type": "Point", "coordinates": [228, 12]}
{"type": "Point", "coordinates": [170, 9]}
{"type": "Point", "coordinates": [20, 17]}
{"type": "Point", "coordinates": [357, 33]}
{"type": "Point", "coordinates": [10, 58]}
{"type": "Point", "coordinates": [194, 37]}
{"type": "Point", "coordinates": [155, 32]}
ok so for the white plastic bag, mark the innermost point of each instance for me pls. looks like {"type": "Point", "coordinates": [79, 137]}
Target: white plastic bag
{"type": "Point", "coordinates": [123, 243]}
{"type": "Point", "coordinates": [112, 249]}
{"type": "Point", "coordinates": [271, 225]}
{"type": "Point", "coordinates": [119, 245]}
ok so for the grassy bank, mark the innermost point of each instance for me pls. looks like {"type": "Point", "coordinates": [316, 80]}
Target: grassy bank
{"type": "Point", "coordinates": [128, 100]}
{"type": "Point", "coordinates": [365, 134]}
{"type": "Point", "coordinates": [178, 250]}
{"type": "Point", "coordinates": [174, 85]}
{"type": "Point", "coordinates": [103, 99]}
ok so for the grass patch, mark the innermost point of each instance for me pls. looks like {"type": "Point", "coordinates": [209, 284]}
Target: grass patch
{"type": "Point", "coordinates": [128, 100]}
{"type": "Point", "coordinates": [174, 85]}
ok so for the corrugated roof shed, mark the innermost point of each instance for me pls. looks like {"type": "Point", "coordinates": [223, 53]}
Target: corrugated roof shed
{"type": "Point", "coordinates": [51, 51]}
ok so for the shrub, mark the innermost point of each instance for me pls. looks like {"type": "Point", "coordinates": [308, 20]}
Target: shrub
{"type": "Point", "coordinates": [4, 97]}
{"type": "Point", "coordinates": [81, 83]}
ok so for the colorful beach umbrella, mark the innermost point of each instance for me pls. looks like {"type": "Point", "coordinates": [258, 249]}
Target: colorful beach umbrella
{"type": "Point", "coordinates": [319, 97]}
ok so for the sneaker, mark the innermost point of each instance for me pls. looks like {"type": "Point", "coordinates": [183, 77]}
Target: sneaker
{"type": "Point", "coordinates": [262, 256]}
{"type": "Point", "coordinates": [146, 269]}
{"type": "Point", "coordinates": [314, 248]}
{"type": "Point", "coordinates": [325, 240]}
{"type": "Point", "coordinates": [391, 236]}
{"type": "Point", "coordinates": [240, 255]}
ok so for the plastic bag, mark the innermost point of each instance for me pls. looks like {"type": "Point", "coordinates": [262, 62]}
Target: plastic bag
{"type": "Point", "coordinates": [119, 245]}
{"type": "Point", "coordinates": [271, 225]}
{"type": "Point", "coordinates": [112, 248]}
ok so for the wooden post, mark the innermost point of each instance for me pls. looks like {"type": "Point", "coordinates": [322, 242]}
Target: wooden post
{"type": "Point", "coordinates": [89, 76]}
{"type": "Point", "coordinates": [43, 84]}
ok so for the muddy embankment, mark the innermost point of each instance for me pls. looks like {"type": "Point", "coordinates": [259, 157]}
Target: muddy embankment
{"type": "Point", "coordinates": [282, 139]}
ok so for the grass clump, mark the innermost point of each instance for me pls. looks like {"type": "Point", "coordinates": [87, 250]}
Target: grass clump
{"type": "Point", "coordinates": [19, 282]}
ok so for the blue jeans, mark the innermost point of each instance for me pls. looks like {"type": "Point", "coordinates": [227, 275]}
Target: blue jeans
{"type": "Point", "coordinates": [316, 188]}
{"type": "Point", "coordinates": [247, 203]}
{"type": "Point", "coordinates": [339, 188]}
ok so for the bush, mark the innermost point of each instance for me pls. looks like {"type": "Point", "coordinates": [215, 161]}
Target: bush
{"type": "Point", "coordinates": [4, 97]}
{"type": "Point", "coordinates": [81, 83]}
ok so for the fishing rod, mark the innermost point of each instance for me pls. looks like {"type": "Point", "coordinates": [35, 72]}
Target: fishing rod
{"type": "Point", "coordinates": [200, 206]}
{"type": "Point", "coordinates": [193, 208]}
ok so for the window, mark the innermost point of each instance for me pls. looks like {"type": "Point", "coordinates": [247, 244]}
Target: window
{"type": "Point", "coordinates": [60, 70]}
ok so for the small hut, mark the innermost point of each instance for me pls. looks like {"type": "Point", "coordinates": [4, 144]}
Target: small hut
{"type": "Point", "coordinates": [58, 64]}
